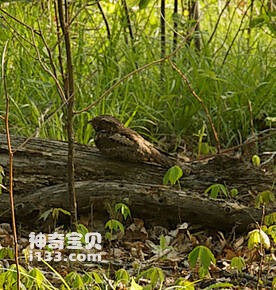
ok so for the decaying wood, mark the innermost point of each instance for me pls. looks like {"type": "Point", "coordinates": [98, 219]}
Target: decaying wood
{"type": "Point", "coordinates": [40, 184]}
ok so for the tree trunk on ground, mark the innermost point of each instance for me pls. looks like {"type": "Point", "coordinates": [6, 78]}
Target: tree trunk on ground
{"type": "Point", "coordinates": [40, 184]}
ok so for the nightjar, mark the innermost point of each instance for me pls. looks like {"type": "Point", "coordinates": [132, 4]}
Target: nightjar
{"type": "Point", "coordinates": [114, 140]}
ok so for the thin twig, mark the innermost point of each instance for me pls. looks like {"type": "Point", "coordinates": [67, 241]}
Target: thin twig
{"type": "Point", "coordinates": [59, 88]}
{"type": "Point", "coordinates": [18, 21]}
{"type": "Point", "coordinates": [4, 187]}
{"type": "Point", "coordinates": [251, 140]}
{"type": "Point", "coordinates": [69, 94]}
{"type": "Point", "coordinates": [236, 35]}
{"type": "Point", "coordinates": [134, 72]}
{"type": "Point", "coordinates": [10, 166]}
{"type": "Point", "coordinates": [201, 103]}
{"type": "Point", "coordinates": [105, 20]}
{"type": "Point", "coordinates": [218, 21]}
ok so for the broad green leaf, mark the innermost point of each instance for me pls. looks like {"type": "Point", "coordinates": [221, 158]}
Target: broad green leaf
{"type": "Point", "coordinates": [125, 211]}
{"type": "Point", "coordinates": [97, 277]}
{"type": "Point", "coordinates": [215, 189]}
{"type": "Point", "coordinates": [3, 279]}
{"type": "Point", "coordinates": [82, 229]}
{"type": "Point", "coordinates": [108, 236]}
{"type": "Point", "coordinates": [154, 274]}
{"type": "Point", "coordinates": [114, 225]}
{"type": "Point", "coordinates": [135, 286]}
{"type": "Point", "coordinates": [270, 219]}
{"type": "Point", "coordinates": [87, 278]}
{"type": "Point", "coordinates": [172, 175]}
{"type": "Point", "coordinates": [122, 276]}
{"type": "Point", "coordinates": [257, 237]}
{"type": "Point", "coordinates": [203, 256]}
{"type": "Point", "coordinates": [75, 280]}
{"type": "Point", "coordinates": [193, 256]}
{"type": "Point", "coordinates": [272, 232]}
{"type": "Point", "coordinates": [203, 272]}
{"type": "Point", "coordinates": [264, 198]}
{"type": "Point", "coordinates": [6, 253]}
{"type": "Point", "coordinates": [238, 263]}
{"type": "Point", "coordinates": [37, 275]}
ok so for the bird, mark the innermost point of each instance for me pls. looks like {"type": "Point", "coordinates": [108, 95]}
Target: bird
{"type": "Point", "coordinates": [116, 141]}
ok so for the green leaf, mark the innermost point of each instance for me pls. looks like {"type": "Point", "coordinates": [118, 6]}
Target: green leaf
{"type": "Point", "coordinates": [154, 274]}
{"type": "Point", "coordinates": [135, 286]}
{"type": "Point", "coordinates": [122, 276]}
{"type": "Point", "coordinates": [256, 161]}
{"type": "Point", "coordinates": [272, 232]}
{"type": "Point", "coordinates": [82, 229]}
{"type": "Point", "coordinates": [264, 198]}
{"type": "Point", "coordinates": [187, 285]}
{"type": "Point", "coordinates": [238, 263]}
{"type": "Point", "coordinates": [45, 214]}
{"type": "Point", "coordinates": [114, 225]}
{"type": "Point", "coordinates": [108, 236]}
{"type": "Point", "coordinates": [38, 276]}
{"type": "Point", "coordinates": [193, 256]}
{"type": "Point", "coordinates": [172, 175]}
{"type": "Point", "coordinates": [234, 192]}
{"type": "Point", "coordinates": [257, 237]}
{"type": "Point", "coordinates": [274, 283]}
{"type": "Point", "coordinates": [124, 209]}
{"type": "Point", "coordinates": [56, 212]}
{"type": "Point", "coordinates": [75, 280]}
{"type": "Point", "coordinates": [163, 242]}
{"type": "Point", "coordinates": [87, 278]}
{"type": "Point", "coordinates": [6, 252]}
{"type": "Point", "coordinates": [203, 256]}
{"type": "Point", "coordinates": [98, 279]}
{"type": "Point", "coordinates": [3, 279]}
{"type": "Point", "coordinates": [215, 189]}
{"type": "Point", "coordinates": [270, 219]}
{"type": "Point", "coordinates": [218, 285]}
{"type": "Point", "coordinates": [143, 4]}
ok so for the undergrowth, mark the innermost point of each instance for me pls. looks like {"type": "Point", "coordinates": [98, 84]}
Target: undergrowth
{"type": "Point", "coordinates": [154, 105]}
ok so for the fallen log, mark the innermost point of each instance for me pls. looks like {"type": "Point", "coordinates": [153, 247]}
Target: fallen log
{"type": "Point", "coordinates": [40, 184]}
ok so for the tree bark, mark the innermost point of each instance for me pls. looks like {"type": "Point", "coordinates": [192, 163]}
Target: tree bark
{"type": "Point", "coordinates": [40, 172]}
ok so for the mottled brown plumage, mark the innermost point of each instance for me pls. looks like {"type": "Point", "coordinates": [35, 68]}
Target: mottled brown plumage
{"type": "Point", "coordinates": [116, 141]}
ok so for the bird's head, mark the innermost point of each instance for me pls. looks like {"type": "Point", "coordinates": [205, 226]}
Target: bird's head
{"type": "Point", "coordinates": [105, 123]}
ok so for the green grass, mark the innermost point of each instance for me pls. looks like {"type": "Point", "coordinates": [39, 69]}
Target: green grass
{"type": "Point", "coordinates": [150, 105]}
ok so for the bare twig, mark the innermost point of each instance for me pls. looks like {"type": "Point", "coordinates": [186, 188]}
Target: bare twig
{"type": "Point", "coordinates": [59, 88]}
{"type": "Point", "coordinates": [18, 21]}
{"type": "Point", "coordinates": [218, 20]}
{"type": "Point", "coordinates": [104, 19]}
{"type": "Point", "coordinates": [69, 94]}
{"type": "Point", "coordinates": [236, 35]}
{"type": "Point", "coordinates": [134, 72]}
{"type": "Point", "coordinates": [58, 34]}
{"type": "Point", "coordinates": [4, 187]}
{"type": "Point", "coordinates": [10, 166]}
{"type": "Point", "coordinates": [251, 140]}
